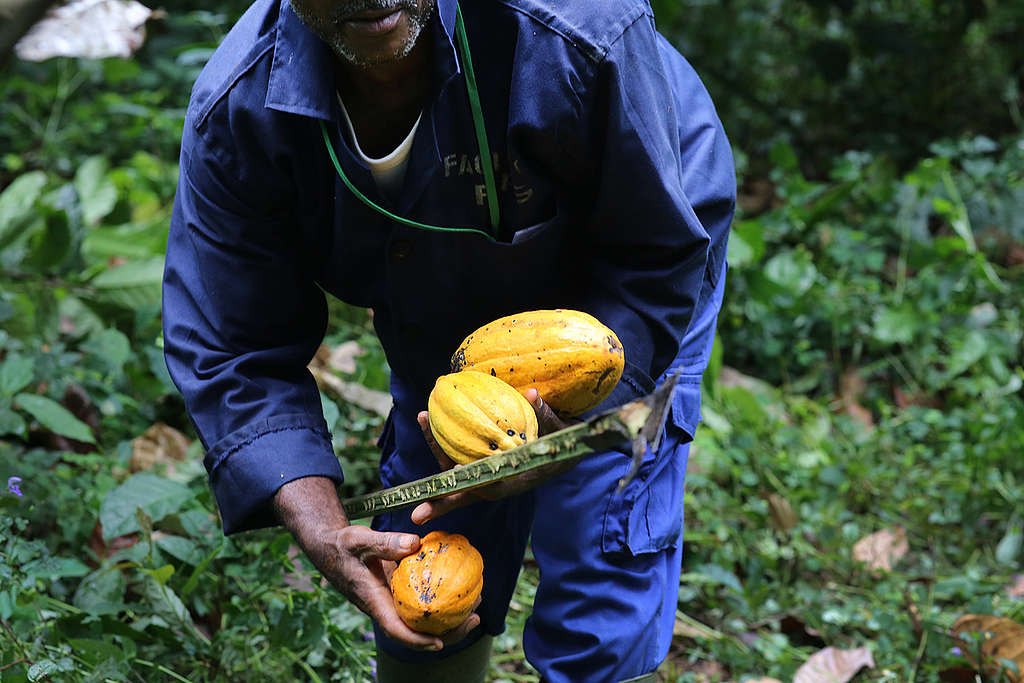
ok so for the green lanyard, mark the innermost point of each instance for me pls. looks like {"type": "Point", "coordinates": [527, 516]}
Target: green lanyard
{"type": "Point", "coordinates": [481, 141]}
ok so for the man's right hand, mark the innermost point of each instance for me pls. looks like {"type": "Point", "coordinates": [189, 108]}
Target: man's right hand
{"type": "Point", "coordinates": [356, 560]}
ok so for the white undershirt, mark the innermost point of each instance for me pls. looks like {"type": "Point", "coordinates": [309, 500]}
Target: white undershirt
{"type": "Point", "coordinates": [388, 171]}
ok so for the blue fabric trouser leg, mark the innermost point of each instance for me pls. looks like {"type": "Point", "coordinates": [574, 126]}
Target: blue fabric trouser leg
{"type": "Point", "coordinates": [602, 611]}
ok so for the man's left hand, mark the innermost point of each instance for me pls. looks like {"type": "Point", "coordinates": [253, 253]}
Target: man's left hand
{"type": "Point", "coordinates": [547, 422]}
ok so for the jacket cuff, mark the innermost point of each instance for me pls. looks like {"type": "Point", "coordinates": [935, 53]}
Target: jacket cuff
{"type": "Point", "coordinates": [248, 467]}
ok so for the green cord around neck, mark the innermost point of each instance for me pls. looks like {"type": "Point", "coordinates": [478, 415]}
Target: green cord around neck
{"type": "Point", "coordinates": [481, 139]}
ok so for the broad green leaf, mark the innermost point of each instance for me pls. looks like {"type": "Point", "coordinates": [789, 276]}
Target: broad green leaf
{"type": "Point", "coordinates": [792, 270]}
{"type": "Point", "coordinates": [96, 192]}
{"type": "Point", "coordinates": [739, 253]}
{"type": "Point", "coordinates": [713, 573]}
{"type": "Point", "coordinates": [94, 652]}
{"type": "Point", "coordinates": [166, 604]}
{"type": "Point", "coordinates": [12, 423]}
{"type": "Point", "coordinates": [17, 204]}
{"type": "Point", "coordinates": [157, 496]}
{"type": "Point", "coordinates": [55, 568]}
{"type": "Point", "coordinates": [966, 352]}
{"type": "Point", "coordinates": [180, 548]}
{"type": "Point", "coordinates": [111, 348]}
{"type": "Point", "coordinates": [55, 417]}
{"type": "Point", "coordinates": [15, 374]}
{"type": "Point", "coordinates": [1008, 550]}
{"type": "Point", "coordinates": [895, 325]}
{"type": "Point", "coordinates": [51, 246]}
{"type": "Point", "coordinates": [133, 284]}
{"type": "Point", "coordinates": [101, 592]}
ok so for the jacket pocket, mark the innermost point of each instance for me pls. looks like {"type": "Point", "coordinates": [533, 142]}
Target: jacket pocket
{"type": "Point", "coordinates": [647, 516]}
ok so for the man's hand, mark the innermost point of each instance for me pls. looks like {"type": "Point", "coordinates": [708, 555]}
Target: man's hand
{"type": "Point", "coordinates": [356, 560]}
{"type": "Point", "coordinates": [547, 421]}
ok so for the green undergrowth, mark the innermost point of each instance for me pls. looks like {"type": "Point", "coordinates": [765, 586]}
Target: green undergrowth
{"type": "Point", "coordinates": [867, 378]}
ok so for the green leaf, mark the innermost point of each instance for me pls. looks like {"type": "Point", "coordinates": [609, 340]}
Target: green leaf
{"type": "Point", "coordinates": [12, 423]}
{"type": "Point", "coordinates": [180, 548]}
{"type": "Point", "coordinates": [15, 374]}
{"type": "Point", "coordinates": [166, 604]}
{"type": "Point", "coordinates": [792, 270]}
{"type": "Point", "coordinates": [55, 568]}
{"type": "Point", "coordinates": [134, 284]}
{"type": "Point", "coordinates": [1008, 550]}
{"type": "Point", "coordinates": [96, 192]}
{"type": "Point", "coordinates": [111, 348]}
{"type": "Point", "coordinates": [895, 325]}
{"type": "Point", "coordinates": [157, 496]}
{"type": "Point", "coordinates": [749, 248]}
{"type": "Point", "coordinates": [966, 352]}
{"type": "Point", "coordinates": [101, 592]}
{"type": "Point", "coordinates": [51, 246]}
{"type": "Point", "coordinates": [162, 574]}
{"type": "Point", "coordinates": [55, 417]}
{"type": "Point", "coordinates": [17, 205]}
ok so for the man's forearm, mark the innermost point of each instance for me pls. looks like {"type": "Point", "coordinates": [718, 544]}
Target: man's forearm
{"type": "Point", "coordinates": [308, 507]}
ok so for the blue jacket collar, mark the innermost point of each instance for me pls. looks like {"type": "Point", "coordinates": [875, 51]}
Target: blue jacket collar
{"type": "Point", "coordinates": [302, 72]}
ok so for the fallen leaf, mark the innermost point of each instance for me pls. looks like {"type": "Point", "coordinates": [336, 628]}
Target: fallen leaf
{"type": "Point", "coordinates": [851, 387]}
{"type": "Point", "coordinates": [1001, 638]}
{"type": "Point", "coordinates": [343, 357]}
{"type": "Point", "coordinates": [160, 444]}
{"type": "Point", "coordinates": [87, 28]}
{"type": "Point", "coordinates": [833, 665]}
{"type": "Point", "coordinates": [781, 512]}
{"type": "Point", "coordinates": [882, 549]}
{"type": "Point", "coordinates": [1016, 588]}
{"type": "Point", "coordinates": [368, 399]}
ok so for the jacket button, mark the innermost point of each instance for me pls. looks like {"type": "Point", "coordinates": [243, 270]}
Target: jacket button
{"type": "Point", "coordinates": [400, 250]}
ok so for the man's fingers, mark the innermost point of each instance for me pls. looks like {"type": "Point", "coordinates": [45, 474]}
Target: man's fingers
{"type": "Point", "coordinates": [379, 605]}
{"type": "Point", "coordinates": [462, 630]}
{"type": "Point", "coordinates": [547, 420]}
{"type": "Point", "coordinates": [365, 542]}
{"type": "Point", "coordinates": [446, 463]}
{"type": "Point", "coordinates": [432, 509]}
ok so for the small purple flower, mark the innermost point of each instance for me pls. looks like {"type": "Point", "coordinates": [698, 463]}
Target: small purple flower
{"type": "Point", "coordinates": [956, 651]}
{"type": "Point", "coordinates": [12, 486]}
{"type": "Point", "coordinates": [367, 637]}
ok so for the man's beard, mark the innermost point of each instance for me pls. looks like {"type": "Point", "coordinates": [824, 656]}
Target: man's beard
{"type": "Point", "coordinates": [329, 28]}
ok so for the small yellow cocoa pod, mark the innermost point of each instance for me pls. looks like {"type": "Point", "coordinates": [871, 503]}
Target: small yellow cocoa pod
{"type": "Point", "coordinates": [473, 415]}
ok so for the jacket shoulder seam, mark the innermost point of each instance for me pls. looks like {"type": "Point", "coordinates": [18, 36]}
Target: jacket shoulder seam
{"type": "Point", "coordinates": [258, 52]}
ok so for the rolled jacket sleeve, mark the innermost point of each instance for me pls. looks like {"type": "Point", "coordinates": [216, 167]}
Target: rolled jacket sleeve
{"type": "Point", "coordinates": [242, 319]}
{"type": "Point", "coordinates": [665, 198]}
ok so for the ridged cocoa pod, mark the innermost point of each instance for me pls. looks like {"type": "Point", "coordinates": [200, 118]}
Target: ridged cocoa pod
{"type": "Point", "coordinates": [570, 357]}
{"type": "Point", "coordinates": [473, 415]}
{"type": "Point", "coordinates": [435, 589]}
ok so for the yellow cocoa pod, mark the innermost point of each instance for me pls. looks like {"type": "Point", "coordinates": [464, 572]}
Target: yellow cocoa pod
{"type": "Point", "coordinates": [570, 357]}
{"type": "Point", "coordinates": [435, 588]}
{"type": "Point", "coordinates": [473, 415]}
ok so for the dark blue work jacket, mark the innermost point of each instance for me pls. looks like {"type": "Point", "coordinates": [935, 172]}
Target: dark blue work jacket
{"type": "Point", "coordinates": [616, 192]}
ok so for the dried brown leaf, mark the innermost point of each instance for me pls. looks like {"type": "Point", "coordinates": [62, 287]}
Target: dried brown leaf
{"type": "Point", "coordinates": [882, 549]}
{"type": "Point", "coordinates": [832, 665]}
{"type": "Point", "coordinates": [160, 444]}
{"type": "Point", "coordinates": [1002, 638]}
{"type": "Point", "coordinates": [782, 514]}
